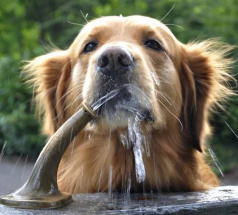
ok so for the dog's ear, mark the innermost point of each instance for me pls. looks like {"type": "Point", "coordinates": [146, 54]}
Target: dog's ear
{"type": "Point", "coordinates": [48, 75]}
{"type": "Point", "coordinates": [204, 77]}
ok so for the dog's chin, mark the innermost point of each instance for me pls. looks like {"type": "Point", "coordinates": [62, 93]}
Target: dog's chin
{"type": "Point", "coordinates": [127, 102]}
{"type": "Point", "coordinates": [116, 119]}
{"type": "Point", "coordinates": [117, 113]}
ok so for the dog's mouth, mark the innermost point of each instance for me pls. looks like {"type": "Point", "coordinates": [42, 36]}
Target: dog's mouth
{"type": "Point", "coordinates": [123, 102]}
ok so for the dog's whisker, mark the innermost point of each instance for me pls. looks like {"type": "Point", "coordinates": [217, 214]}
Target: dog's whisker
{"type": "Point", "coordinates": [151, 58]}
{"type": "Point", "coordinates": [216, 161]}
{"type": "Point", "coordinates": [171, 9]}
{"type": "Point", "coordinates": [74, 23]}
{"type": "Point", "coordinates": [166, 99]}
{"type": "Point", "coordinates": [175, 26]}
{"type": "Point", "coordinates": [77, 98]}
{"type": "Point", "coordinates": [96, 105]}
{"type": "Point", "coordinates": [84, 16]}
{"type": "Point", "coordinates": [71, 105]}
{"type": "Point", "coordinates": [163, 79]}
{"type": "Point", "coordinates": [132, 87]}
{"type": "Point", "coordinates": [40, 109]}
{"type": "Point", "coordinates": [74, 89]}
{"type": "Point", "coordinates": [231, 130]}
{"type": "Point", "coordinates": [171, 114]}
{"type": "Point", "coordinates": [72, 146]}
{"type": "Point", "coordinates": [168, 56]}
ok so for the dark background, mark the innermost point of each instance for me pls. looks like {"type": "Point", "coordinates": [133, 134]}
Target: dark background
{"type": "Point", "coordinates": [30, 28]}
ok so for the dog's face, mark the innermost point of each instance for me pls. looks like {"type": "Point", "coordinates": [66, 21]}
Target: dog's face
{"type": "Point", "coordinates": [132, 66]}
{"type": "Point", "coordinates": [133, 57]}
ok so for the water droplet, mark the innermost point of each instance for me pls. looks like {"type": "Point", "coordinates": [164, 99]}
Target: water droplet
{"type": "Point", "coordinates": [99, 181]}
{"type": "Point", "coordinates": [128, 185]}
{"type": "Point", "coordinates": [156, 78]}
{"type": "Point", "coordinates": [110, 182]}
{"type": "Point", "coordinates": [125, 141]}
{"type": "Point", "coordinates": [3, 151]}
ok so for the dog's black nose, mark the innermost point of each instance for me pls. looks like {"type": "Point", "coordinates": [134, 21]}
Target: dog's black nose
{"type": "Point", "coordinates": [114, 61]}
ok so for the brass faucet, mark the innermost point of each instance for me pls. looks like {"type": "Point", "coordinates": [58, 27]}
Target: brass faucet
{"type": "Point", "coordinates": [41, 190]}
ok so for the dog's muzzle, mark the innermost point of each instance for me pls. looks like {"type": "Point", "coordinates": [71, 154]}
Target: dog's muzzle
{"type": "Point", "coordinates": [115, 71]}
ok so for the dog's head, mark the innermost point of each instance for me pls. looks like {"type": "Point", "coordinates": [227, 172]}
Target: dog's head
{"type": "Point", "coordinates": [128, 62]}
{"type": "Point", "coordinates": [126, 66]}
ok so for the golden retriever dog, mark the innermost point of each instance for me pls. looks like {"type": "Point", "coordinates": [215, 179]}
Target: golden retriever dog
{"type": "Point", "coordinates": [154, 96]}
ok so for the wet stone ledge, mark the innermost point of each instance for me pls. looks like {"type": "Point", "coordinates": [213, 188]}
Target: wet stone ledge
{"type": "Point", "coordinates": [219, 201]}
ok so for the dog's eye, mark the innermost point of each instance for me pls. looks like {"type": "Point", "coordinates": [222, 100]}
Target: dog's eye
{"type": "Point", "coordinates": [153, 44]}
{"type": "Point", "coordinates": [89, 47]}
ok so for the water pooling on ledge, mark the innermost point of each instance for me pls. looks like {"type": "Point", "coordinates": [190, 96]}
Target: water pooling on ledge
{"type": "Point", "coordinates": [218, 201]}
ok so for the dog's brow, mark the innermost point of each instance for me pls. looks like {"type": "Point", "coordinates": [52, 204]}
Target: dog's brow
{"type": "Point", "coordinates": [96, 31]}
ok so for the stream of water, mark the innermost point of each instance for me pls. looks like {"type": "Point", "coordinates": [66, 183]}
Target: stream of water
{"type": "Point", "coordinates": [134, 137]}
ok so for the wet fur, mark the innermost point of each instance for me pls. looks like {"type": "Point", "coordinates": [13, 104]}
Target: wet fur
{"type": "Point", "coordinates": [193, 77]}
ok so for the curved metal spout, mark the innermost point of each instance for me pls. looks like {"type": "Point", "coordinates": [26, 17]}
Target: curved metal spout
{"type": "Point", "coordinates": [41, 189]}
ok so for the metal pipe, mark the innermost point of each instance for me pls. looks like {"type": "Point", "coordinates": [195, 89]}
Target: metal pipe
{"type": "Point", "coordinates": [41, 190]}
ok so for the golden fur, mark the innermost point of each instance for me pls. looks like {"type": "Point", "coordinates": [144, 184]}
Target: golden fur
{"type": "Point", "coordinates": [192, 80]}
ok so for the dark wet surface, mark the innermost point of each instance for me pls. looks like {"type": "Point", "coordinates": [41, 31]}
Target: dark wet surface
{"type": "Point", "coordinates": [222, 200]}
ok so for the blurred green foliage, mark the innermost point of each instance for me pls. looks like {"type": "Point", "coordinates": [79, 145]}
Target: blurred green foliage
{"type": "Point", "coordinates": [28, 28]}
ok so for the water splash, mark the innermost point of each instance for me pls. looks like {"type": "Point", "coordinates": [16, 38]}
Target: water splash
{"type": "Point", "coordinates": [110, 182]}
{"type": "Point", "coordinates": [180, 122]}
{"type": "Point", "coordinates": [99, 180]}
{"type": "Point", "coordinates": [146, 140]}
{"type": "Point", "coordinates": [23, 172]}
{"type": "Point", "coordinates": [3, 151]}
{"type": "Point", "coordinates": [124, 139]}
{"type": "Point", "coordinates": [127, 191]}
{"type": "Point", "coordinates": [72, 147]}
{"type": "Point", "coordinates": [216, 161]}
{"type": "Point", "coordinates": [156, 78]}
{"type": "Point", "coordinates": [128, 185]}
{"type": "Point", "coordinates": [15, 164]}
